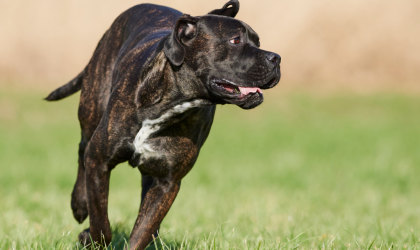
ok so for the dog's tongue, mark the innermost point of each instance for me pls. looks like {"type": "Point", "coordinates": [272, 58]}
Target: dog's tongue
{"type": "Point", "coordinates": [245, 90]}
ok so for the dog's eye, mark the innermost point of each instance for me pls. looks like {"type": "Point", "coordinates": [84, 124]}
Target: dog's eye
{"type": "Point", "coordinates": [235, 40]}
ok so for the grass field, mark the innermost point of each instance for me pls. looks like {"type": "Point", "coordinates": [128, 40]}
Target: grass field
{"type": "Point", "coordinates": [301, 171]}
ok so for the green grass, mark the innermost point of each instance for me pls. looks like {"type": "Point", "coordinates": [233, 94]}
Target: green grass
{"type": "Point", "coordinates": [301, 171]}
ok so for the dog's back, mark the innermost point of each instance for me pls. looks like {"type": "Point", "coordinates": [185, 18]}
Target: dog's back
{"type": "Point", "coordinates": [128, 39]}
{"type": "Point", "coordinates": [144, 19]}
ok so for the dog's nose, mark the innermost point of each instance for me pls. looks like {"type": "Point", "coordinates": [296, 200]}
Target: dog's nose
{"type": "Point", "coordinates": [273, 58]}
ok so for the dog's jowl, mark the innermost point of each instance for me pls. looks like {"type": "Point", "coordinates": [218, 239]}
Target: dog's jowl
{"type": "Point", "coordinates": [148, 96]}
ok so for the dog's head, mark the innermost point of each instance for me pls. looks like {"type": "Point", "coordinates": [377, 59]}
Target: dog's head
{"type": "Point", "coordinates": [224, 53]}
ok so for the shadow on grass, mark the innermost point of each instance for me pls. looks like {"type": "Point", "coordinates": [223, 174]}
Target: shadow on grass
{"type": "Point", "coordinates": [121, 237]}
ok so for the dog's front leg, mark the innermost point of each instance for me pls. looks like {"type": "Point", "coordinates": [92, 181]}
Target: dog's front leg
{"type": "Point", "coordinates": [153, 209]}
{"type": "Point", "coordinates": [177, 156]}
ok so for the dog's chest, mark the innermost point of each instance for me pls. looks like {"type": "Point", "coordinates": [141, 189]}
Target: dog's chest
{"type": "Point", "coordinates": [144, 149]}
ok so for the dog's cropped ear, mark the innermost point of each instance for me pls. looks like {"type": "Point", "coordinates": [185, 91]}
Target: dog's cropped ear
{"type": "Point", "coordinates": [230, 9]}
{"type": "Point", "coordinates": [185, 30]}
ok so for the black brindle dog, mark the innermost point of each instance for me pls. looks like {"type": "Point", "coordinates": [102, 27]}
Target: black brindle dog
{"type": "Point", "coordinates": [148, 96]}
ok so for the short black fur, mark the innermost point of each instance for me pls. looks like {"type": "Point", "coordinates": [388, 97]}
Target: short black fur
{"type": "Point", "coordinates": [148, 96]}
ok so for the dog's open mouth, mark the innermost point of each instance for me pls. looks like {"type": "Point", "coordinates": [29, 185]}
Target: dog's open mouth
{"type": "Point", "coordinates": [269, 84]}
{"type": "Point", "coordinates": [232, 88]}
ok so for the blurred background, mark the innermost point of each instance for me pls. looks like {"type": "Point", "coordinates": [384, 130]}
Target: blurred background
{"type": "Point", "coordinates": [330, 160]}
{"type": "Point", "coordinates": [356, 44]}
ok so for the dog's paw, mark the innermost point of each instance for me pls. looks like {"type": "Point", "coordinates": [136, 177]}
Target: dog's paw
{"type": "Point", "coordinates": [80, 212]}
{"type": "Point", "coordinates": [84, 237]}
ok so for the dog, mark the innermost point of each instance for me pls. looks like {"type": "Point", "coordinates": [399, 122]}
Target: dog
{"type": "Point", "coordinates": [149, 95]}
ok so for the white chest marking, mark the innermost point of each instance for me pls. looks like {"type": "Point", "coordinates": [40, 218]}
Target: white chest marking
{"type": "Point", "coordinates": [151, 126]}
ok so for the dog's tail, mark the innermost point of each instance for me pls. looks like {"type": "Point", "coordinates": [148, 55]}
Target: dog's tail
{"type": "Point", "coordinates": [66, 90]}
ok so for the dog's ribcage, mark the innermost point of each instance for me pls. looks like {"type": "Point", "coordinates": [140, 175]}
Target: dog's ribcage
{"type": "Point", "coordinates": [149, 127]}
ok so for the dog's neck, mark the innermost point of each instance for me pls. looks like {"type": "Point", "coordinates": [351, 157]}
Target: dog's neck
{"type": "Point", "coordinates": [178, 84]}
{"type": "Point", "coordinates": [165, 86]}
{"type": "Point", "coordinates": [186, 83]}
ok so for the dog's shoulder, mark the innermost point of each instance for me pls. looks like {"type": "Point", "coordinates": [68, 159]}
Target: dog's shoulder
{"type": "Point", "coordinates": [141, 28]}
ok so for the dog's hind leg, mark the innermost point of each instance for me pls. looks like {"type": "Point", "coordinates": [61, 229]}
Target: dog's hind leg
{"type": "Point", "coordinates": [78, 196]}
{"type": "Point", "coordinates": [98, 172]}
